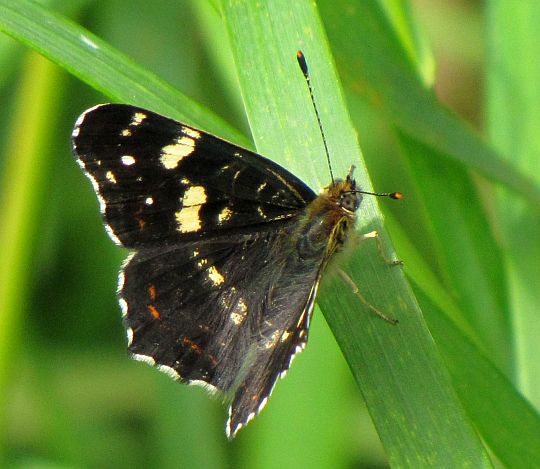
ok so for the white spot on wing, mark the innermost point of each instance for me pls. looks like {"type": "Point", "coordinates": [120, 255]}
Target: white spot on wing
{"type": "Point", "coordinates": [95, 186]}
{"type": "Point", "coordinates": [123, 307]}
{"type": "Point", "coordinates": [144, 358]}
{"type": "Point", "coordinates": [101, 200]}
{"type": "Point", "coordinates": [262, 404]}
{"type": "Point", "coordinates": [149, 201]}
{"type": "Point", "coordinates": [297, 350]}
{"type": "Point", "coordinates": [239, 313]}
{"type": "Point", "coordinates": [191, 132]}
{"type": "Point", "coordinates": [121, 281]}
{"type": "Point", "coordinates": [215, 276]}
{"type": "Point", "coordinates": [121, 275]}
{"type": "Point", "coordinates": [172, 154]}
{"type": "Point", "coordinates": [129, 333]}
{"type": "Point", "coordinates": [225, 214]}
{"type": "Point", "coordinates": [228, 424]}
{"type": "Point", "coordinates": [195, 195]}
{"type": "Point", "coordinates": [272, 340]}
{"type": "Point", "coordinates": [110, 177]}
{"type": "Point", "coordinates": [208, 387]}
{"type": "Point", "coordinates": [188, 219]}
{"type": "Point", "coordinates": [81, 118]}
{"type": "Point", "coordinates": [137, 119]}
{"type": "Point", "coordinates": [78, 123]}
{"type": "Point", "coordinates": [127, 160]}
{"type": "Point", "coordinates": [112, 235]}
{"type": "Point", "coordinates": [236, 430]}
{"type": "Point", "coordinates": [169, 371]}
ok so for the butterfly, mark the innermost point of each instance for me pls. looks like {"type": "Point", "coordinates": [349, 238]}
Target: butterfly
{"type": "Point", "coordinates": [228, 250]}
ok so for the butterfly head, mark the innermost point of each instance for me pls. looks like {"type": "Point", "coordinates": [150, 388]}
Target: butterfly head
{"type": "Point", "coordinates": [348, 197]}
{"type": "Point", "coordinates": [343, 193]}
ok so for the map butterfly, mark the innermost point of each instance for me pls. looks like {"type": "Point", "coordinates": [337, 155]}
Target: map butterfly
{"type": "Point", "coordinates": [228, 249]}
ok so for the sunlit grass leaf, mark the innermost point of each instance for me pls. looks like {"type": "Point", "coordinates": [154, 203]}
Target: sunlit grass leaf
{"type": "Point", "coordinates": [513, 90]}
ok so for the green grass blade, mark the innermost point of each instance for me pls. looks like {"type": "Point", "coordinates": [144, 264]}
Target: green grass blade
{"type": "Point", "coordinates": [101, 66]}
{"type": "Point", "coordinates": [398, 368]}
{"type": "Point", "coordinates": [410, 35]}
{"type": "Point", "coordinates": [23, 191]}
{"type": "Point", "coordinates": [467, 252]}
{"type": "Point", "coordinates": [507, 422]}
{"type": "Point", "coordinates": [513, 94]}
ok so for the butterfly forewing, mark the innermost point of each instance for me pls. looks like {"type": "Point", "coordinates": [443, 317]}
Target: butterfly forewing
{"type": "Point", "coordinates": [160, 181]}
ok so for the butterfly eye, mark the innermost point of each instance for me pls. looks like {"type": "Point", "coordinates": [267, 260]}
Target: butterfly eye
{"type": "Point", "coordinates": [349, 201]}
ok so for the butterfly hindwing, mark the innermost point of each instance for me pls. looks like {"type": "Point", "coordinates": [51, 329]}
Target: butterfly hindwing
{"type": "Point", "coordinates": [160, 181]}
{"type": "Point", "coordinates": [273, 358]}
{"type": "Point", "coordinates": [197, 313]}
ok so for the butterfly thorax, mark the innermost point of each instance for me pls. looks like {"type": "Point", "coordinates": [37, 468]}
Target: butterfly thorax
{"type": "Point", "coordinates": [328, 220]}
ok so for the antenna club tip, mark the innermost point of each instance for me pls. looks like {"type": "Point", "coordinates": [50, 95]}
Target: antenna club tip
{"type": "Point", "coordinates": [396, 195]}
{"type": "Point", "coordinates": [302, 62]}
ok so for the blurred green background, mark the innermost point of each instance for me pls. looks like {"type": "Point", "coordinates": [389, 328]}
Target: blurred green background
{"type": "Point", "coordinates": [70, 396]}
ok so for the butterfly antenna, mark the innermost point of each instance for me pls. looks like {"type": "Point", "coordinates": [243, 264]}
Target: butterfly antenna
{"type": "Point", "coordinates": [303, 66]}
{"type": "Point", "coordinates": [392, 195]}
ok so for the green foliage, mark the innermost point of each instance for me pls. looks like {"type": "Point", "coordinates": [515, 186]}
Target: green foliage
{"type": "Point", "coordinates": [71, 397]}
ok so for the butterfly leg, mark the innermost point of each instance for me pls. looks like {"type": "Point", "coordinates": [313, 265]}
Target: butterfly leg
{"type": "Point", "coordinates": [349, 281]}
{"type": "Point", "coordinates": [375, 235]}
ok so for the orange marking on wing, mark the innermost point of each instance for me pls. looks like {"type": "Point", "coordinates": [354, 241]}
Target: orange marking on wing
{"type": "Point", "coordinates": [152, 292]}
{"type": "Point", "coordinates": [154, 312]}
{"type": "Point", "coordinates": [139, 219]}
{"type": "Point", "coordinates": [196, 348]}
{"type": "Point", "coordinates": [199, 350]}
{"type": "Point", "coordinates": [213, 360]}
